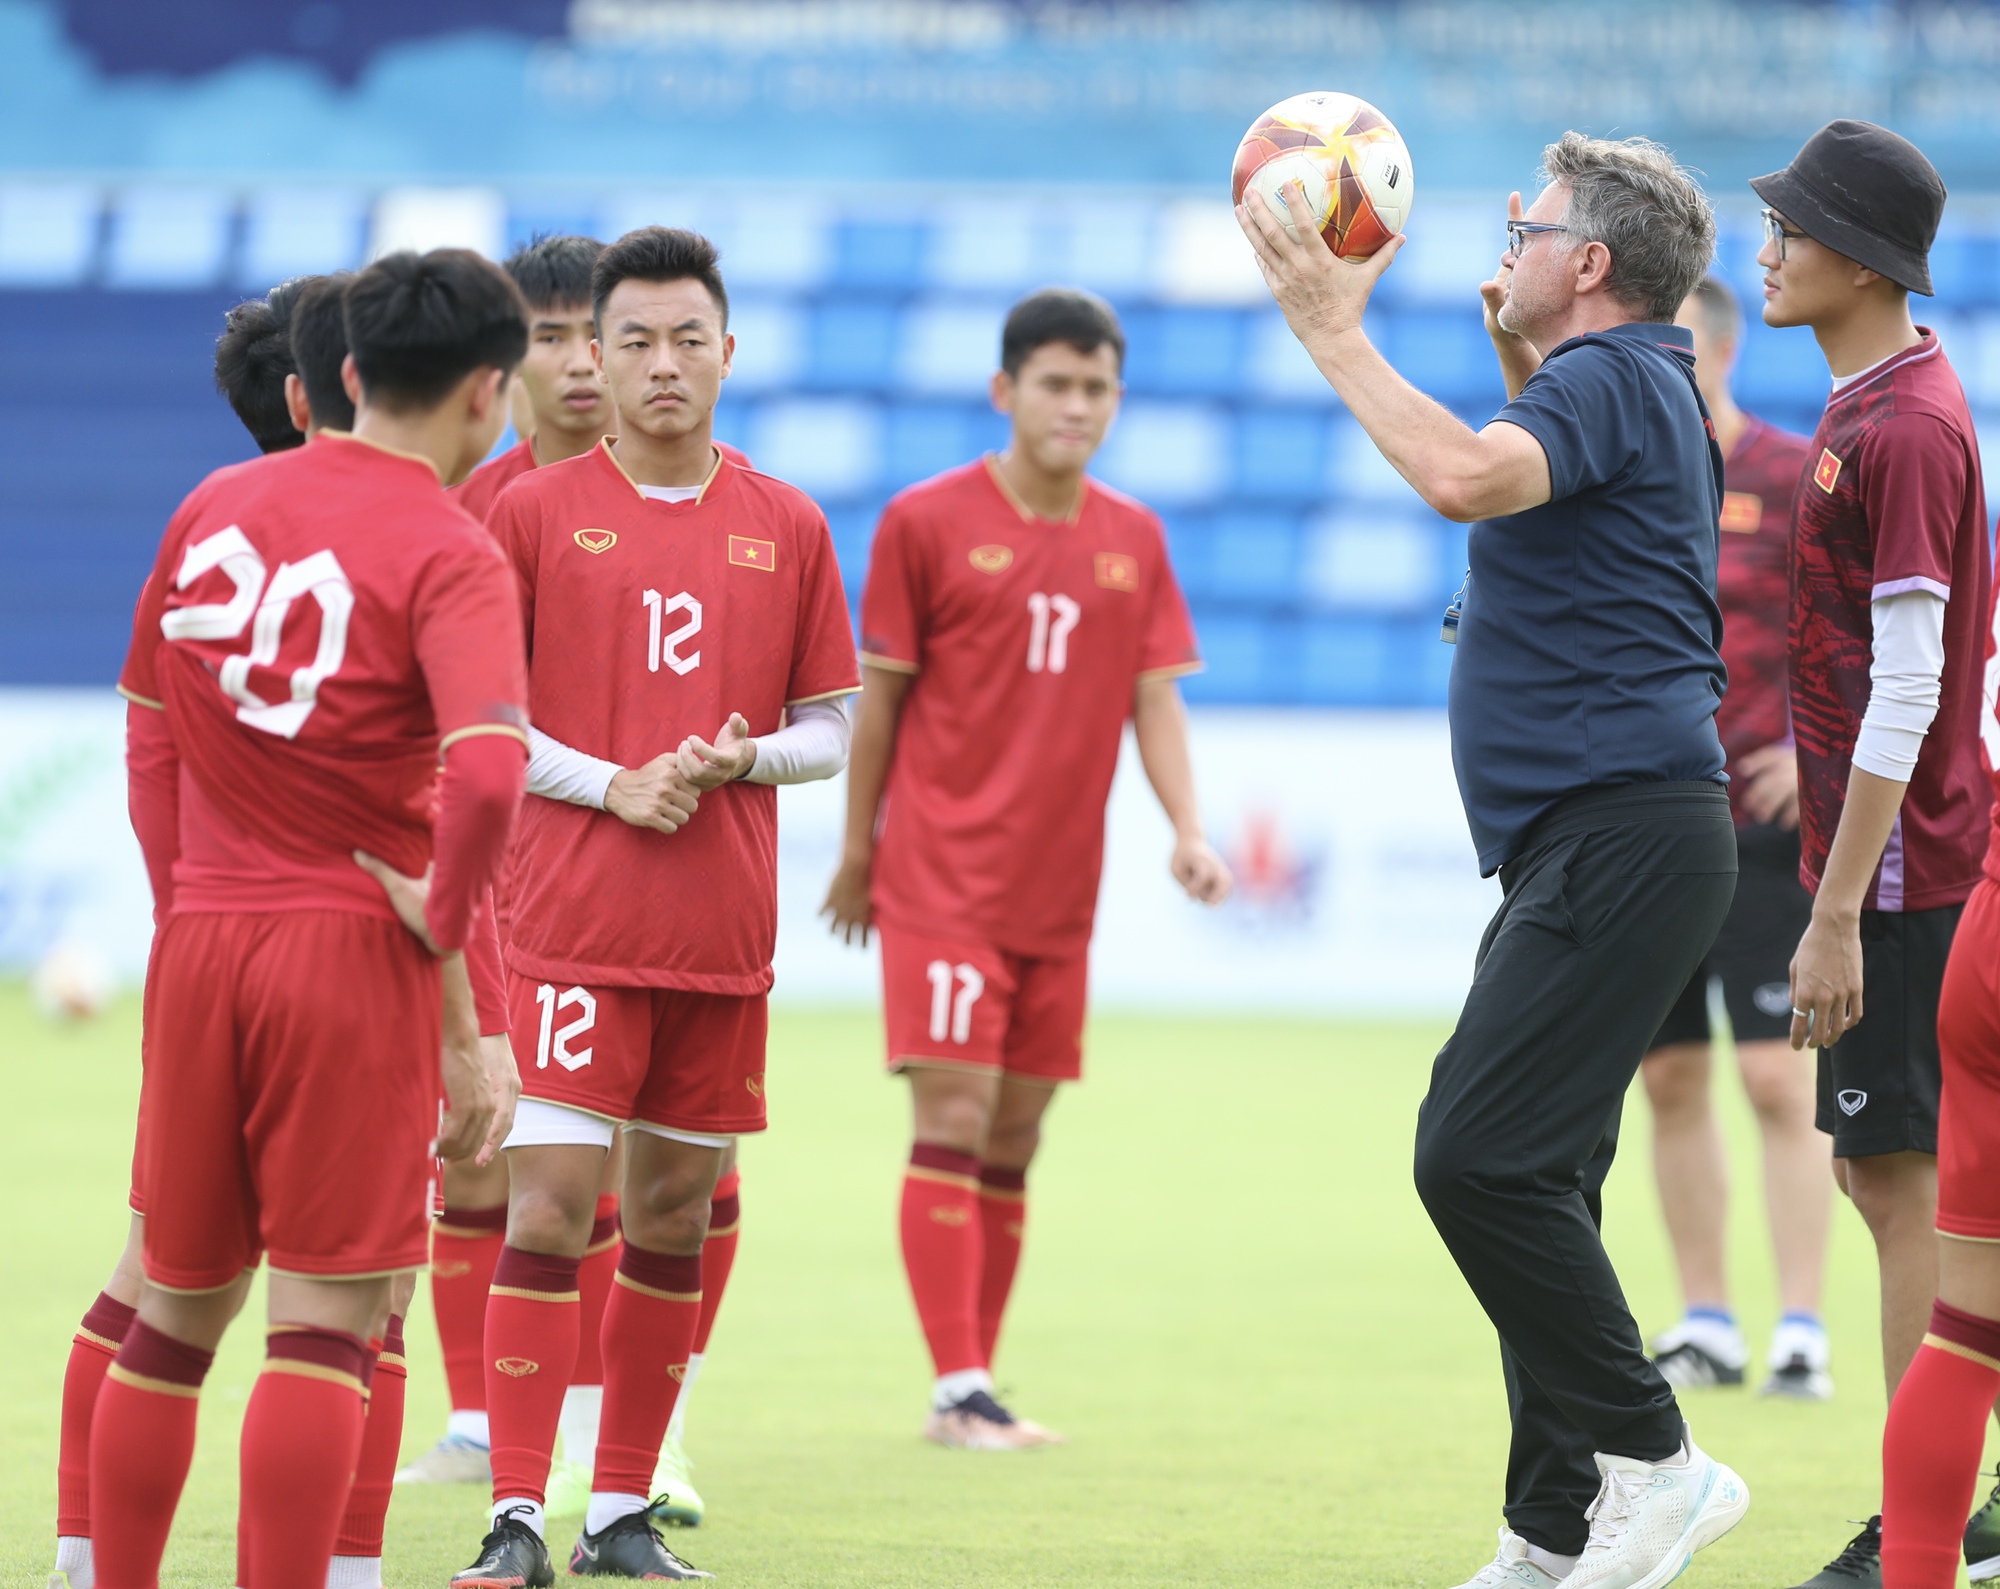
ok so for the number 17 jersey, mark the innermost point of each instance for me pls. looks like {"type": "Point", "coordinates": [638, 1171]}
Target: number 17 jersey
{"type": "Point", "coordinates": [1027, 637]}
{"type": "Point", "coordinates": [647, 621]}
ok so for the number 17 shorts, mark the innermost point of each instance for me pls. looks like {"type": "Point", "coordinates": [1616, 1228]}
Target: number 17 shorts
{"type": "Point", "coordinates": [290, 1097]}
{"type": "Point", "coordinates": [954, 1001]}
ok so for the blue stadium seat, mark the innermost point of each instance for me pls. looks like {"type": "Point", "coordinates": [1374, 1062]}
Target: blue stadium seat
{"type": "Point", "coordinates": [924, 439]}
{"type": "Point", "coordinates": [1168, 452]}
{"type": "Point", "coordinates": [1188, 543]}
{"type": "Point", "coordinates": [48, 233]}
{"type": "Point", "coordinates": [1446, 353]}
{"type": "Point", "coordinates": [298, 232]}
{"type": "Point", "coordinates": [853, 528]}
{"type": "Point", "coordinates": [829, 447]}
{"type": "Point", "coordinates": [1780, 369]}
{"type": "Point", "coordinates": [553, 218]}
{"type": "Point", "coordinates": [1379, 560]}
{"type": "Point", "coordinates": [1339, 662]}
{"type": "Point", "coordinates": [949, 345]}
{"type": "Point", "coordinates": [1965, 269]}
{"type": "Point", "coordinates": [1254, 556]}
{"type": "Point", "coordinates": [1233, 652]}
{"type": "Point", "coordinates": [1184, 352]}
{"type": "Point", "coordinates": [1281, 454]}
{"type": "Point", "coordinates": [879, 253]}
{"type": "Point", "coordinates": [851, 345]}
{"type": "Point", "coordinates": [772, 343]}
{"type": "Point", "coordinates": [169, 237]}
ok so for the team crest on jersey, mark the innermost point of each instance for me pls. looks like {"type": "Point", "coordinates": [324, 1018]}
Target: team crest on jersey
{"type": "Point", "coordinates": [1742, 511]}
{"type": "Point", "coordinates": [991, 559]}
{"type": "Point", "coordinates": [517, 1367]}
{"type": "Point", "coordinates": [1826, 471]}
{"type": "Point", "coordinates": [1117, 571]}
{"type": "Point", "coordinates": [746, 553]}
{"type": "Point", "coordinates": [596, 540]}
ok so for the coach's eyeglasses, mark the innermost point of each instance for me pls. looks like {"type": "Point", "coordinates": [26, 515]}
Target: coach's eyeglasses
{"type": "Point", "coordinates": [1775, 232]}
{"type": "Point", "coordinates": [1518, 233]}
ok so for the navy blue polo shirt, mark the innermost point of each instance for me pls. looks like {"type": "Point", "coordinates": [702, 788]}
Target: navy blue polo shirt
{"type": "Point", "coordinates": [1589, 651]}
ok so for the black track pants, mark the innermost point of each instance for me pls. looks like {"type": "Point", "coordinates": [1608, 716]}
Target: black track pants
{"type": "Point", "coordinates": [1612, 903]}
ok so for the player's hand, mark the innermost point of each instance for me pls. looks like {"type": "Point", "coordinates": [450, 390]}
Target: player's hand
{"type": "Point", "coordinates": [407, 896]}
{"type": "Point", "coordinates": [733, 754]}
{"type": "Point", "coordinates": [497, 1053]}
{"type": "Point", "coordinates": [1826, 982]}
{"type": "Point", "coordinates": [1321, 294]}
{"type": "Point", "coordinates": [468, 1086]}
{"type": "Point", "coordinates": [1198, 869]}
{"type": "Point", "coordinates": [1771, 785]}
{"type": "Point", "coordinates": [653, 796]}
{"type": "Point", "coordinates": [848, 913]}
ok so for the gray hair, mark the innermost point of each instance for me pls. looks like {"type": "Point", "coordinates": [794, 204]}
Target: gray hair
{"type": "Point", "coordinates": [1631, 196]}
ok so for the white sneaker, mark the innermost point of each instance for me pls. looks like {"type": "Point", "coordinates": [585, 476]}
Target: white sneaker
{"type": "Point", "coordinates": [1699, 1352]}
{"type": "Point", "coordinates": [1650, 1518]}
{"type": "Point", "coordinates": [1511, 1569]}
{"type": "Point", "coordinates": [1799, 1361]}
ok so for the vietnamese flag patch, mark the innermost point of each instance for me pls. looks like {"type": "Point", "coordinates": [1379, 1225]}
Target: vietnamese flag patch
{"type": "Point", "coordinates": [746, 553]}
{"type": "Point", "coordinates": [1826, 471]}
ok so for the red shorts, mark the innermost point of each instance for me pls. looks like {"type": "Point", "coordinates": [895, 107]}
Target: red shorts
{"type": "Point", "coordinates": [959, 1002]}
{"type": "Point", "coordinates": [687, 1061]}
{"type": "Point", "coordinates": [1968, 1029]}
{"type": "Point", "coordinates": [290, 1096]}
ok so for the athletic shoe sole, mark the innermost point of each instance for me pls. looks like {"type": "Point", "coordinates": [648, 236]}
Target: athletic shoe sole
{"type": "Point", "coordinates": [1977, 1571]}
{"type": "Point", "coordinates": [1721, 1505]}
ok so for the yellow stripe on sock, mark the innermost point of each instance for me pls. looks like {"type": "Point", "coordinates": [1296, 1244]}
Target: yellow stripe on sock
{"type": "Point", "coordinates": [652, 1291]}
{"type": "Point", "coordinates": [1965, 1352]}
{"type": "Point", "coordinates": [159, 1387]}
{"type": "Point", "coordinates": [535, 1296]}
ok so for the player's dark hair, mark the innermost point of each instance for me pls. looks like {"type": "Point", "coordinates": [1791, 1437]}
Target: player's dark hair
{"type": "Point", "coordinates": [418, 324]}
{"type": "Point", "coordinates": [252, 358]}
{"type": "Point", "coordinates": [1059, 314]}
{"type": "Point", "coordinates": [1721, 315]}
{"type": "Point", "coordinates": [554, 272]}
{"type": "Point", "coordinates": [658, 253]}
{"type": "Point", "coordinates": [319, 344]}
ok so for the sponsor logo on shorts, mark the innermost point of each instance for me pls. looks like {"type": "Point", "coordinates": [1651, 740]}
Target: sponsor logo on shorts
{"type": "Point", "coordinates": [1773, 998]}
{"type": "Point", "coordinates": [1016, 1229]}
{"type": "Point", "coordinates": [946, 1215]}
{"type": "Point", "coordinates": [755, 1084]}
{"type": "Point", "coordinates": [597, 541]}
{"type": "Point", "coordinates": [451, 1269]}
{"type": "Point", "coordinates": [677, 1372]}
{"type": "Point", "coordinates": [1852, 1101]}
{"type": "Point", "coordinates": [517, 1367]}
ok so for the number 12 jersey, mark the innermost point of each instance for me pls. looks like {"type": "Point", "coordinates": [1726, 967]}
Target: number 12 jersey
{"type": "Point", "coordinates": [647, 621]}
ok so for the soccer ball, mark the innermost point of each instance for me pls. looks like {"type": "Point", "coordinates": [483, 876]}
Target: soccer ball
{"type": "Point", "coordinates": [72, 983]}
{"type": "Point", "coordinates": [1347, 156]}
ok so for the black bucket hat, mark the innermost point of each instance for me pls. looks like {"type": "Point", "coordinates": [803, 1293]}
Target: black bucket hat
{"type": "Point", "coordinates": [1864, 192]}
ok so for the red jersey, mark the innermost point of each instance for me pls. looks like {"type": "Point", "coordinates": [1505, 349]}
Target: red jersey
{"type": "Point", "coordinates": [1026, 636]}
{"type": "Point", "coordinates": [648, 621]}
{"type": "Point", "coordinates": [1753, 586]}
{"type": "Point", "coordinates": [478, 491]}
{"type": "Point", "coordinates": [1892, 501]}
{"type": "Point", "coordinates": [319, 625]}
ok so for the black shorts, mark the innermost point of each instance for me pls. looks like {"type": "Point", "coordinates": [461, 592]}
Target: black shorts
{"type": "Point", "coordinates": [1752, 955]}
{"type": "Point", "coordinates": [1878, 1086]}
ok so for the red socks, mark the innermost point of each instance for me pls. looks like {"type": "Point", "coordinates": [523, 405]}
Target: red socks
{"type": "Point", "coordinates": [465, 1244]}
{"type": "Point", "coordinates": [301, 1442]}
{"type": "Point", "coordinates": [381, 1439]}
{"type": "Point", "coordinates": [718, 1252]}
{"type": "Point", "coordinates": [593, 1280]}
{"type": "Point", "coordinates": [649, 1326]}
{"type": "Point", "coordinates": [1931, 1448]}
{"type": "Point", "coordinates": [141, 1442]}
{"type": "Point", "coordinates": [531, 1341]}
{"type": "Point", "coordinates": [95, 1344]}
{"type": "Point", "coordinates": [1003, 1217]}
{"type": "Point", "coordinates": [942, 1245]}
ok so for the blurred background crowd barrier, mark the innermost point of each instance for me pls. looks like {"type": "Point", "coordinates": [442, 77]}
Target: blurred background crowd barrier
{"type": "Point", "coordinates": [884, 177]}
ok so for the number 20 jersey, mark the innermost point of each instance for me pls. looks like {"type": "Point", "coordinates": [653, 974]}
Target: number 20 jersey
{"type": "Point", "coordinates": [1027, 637]}
{"type": "Point", "coordinates": [648, 621]}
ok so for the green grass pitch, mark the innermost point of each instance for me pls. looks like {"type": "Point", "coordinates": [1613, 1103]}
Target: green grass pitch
{"type": "Point", "coordinates": [1231, 1301]}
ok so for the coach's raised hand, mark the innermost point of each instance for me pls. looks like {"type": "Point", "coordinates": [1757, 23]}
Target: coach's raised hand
{"type": "Point", "coordinates": [1321, 294]}
{"type": "Point", "coordinates": [732, 755]}
{"type": "Point", "coordinates": [654, 796]}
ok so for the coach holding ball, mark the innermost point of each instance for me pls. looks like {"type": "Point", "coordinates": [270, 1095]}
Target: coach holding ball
{"type": "Point", "coordinates": [1582, 706]}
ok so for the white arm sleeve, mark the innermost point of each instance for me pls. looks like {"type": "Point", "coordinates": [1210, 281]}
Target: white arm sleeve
{"type": "Point", "coordinates": [557, 772]}
{"type": "Point", "coordinates": [1902, 682]}
{"type": "Point", "coordinates": [811, 745]}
